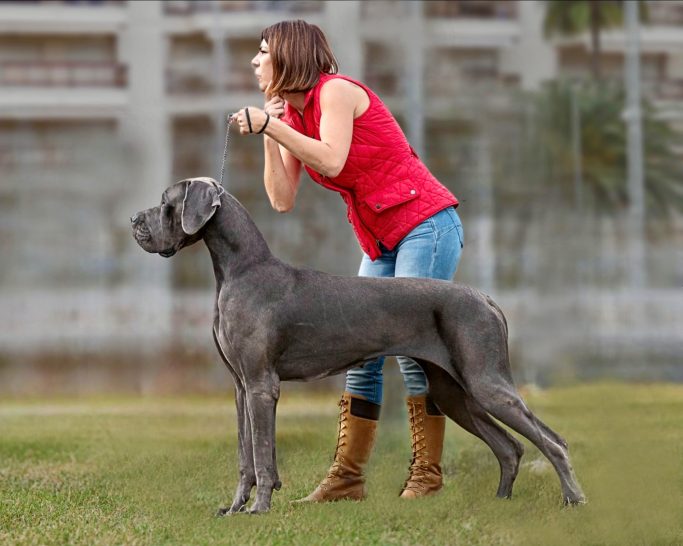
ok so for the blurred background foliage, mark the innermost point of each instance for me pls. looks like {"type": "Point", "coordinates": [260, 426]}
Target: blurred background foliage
{"type": "Point", "coordinates": [602, 187]}
{"type": "Point", "coordinates": [575, 17]}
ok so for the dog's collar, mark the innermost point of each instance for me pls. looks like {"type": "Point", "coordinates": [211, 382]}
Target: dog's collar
{"type": "Point", "coordinates": [221, 189]}
{"type": "Point", "coordinates": [211, 182]}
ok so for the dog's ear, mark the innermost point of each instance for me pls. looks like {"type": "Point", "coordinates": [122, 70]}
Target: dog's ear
{"type": "Point", "coordinates": [199, 205]}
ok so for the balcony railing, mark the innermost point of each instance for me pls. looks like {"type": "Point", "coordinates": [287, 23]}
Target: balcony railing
{"type": "Point", "coordinates": [665, 13]}
{"type": "Point", "coordinates": [388, 82]}
{"type": "Point", "coordinates": [652, 87]}
{"type": "Point", "coordinates": [665, 89]}
{"type": "Point", "coordinates": [62, 74]}
{"type": "Point", "coordinates": [186, 7]}
{"type": "Point", "coordinates": [449, 9]}
{"type": "Point", "coordinates": [13, 157]}
{"type": "Point", "coordinates": [471, 9]}
{"type": "Point", "coordinates": [188, 82]}
{"type": "Point", "coordinates": [72, 3]}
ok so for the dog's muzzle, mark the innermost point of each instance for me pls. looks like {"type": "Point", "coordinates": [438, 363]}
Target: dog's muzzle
{"type": "Point", "coordinates": [143, 236]}
{"type": "Point", "coordinates": [140, 230]}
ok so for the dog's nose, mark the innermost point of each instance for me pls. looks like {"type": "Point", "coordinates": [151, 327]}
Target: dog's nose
{"type": "Point", "coordinates": [133, 218]}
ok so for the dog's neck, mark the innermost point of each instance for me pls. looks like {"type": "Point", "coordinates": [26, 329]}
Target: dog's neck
{"type": "Point", "coordinates": [234, 242]}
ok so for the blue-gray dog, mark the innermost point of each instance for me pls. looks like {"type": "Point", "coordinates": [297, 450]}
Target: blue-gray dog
{"type": "Point", "coordinates": [274, 322]}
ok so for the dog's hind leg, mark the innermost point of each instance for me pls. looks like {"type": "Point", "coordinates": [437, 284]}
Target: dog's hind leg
{"type": "Point", "coordinates": [452, 400]}
{"type": "Point", "coordinates": [278, 484]}
{"type": "Point", "coordinates": [501, 400]}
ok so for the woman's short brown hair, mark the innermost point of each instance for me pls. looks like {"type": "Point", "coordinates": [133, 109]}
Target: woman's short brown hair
{"type": "Point", "coordinates": [299, 52]}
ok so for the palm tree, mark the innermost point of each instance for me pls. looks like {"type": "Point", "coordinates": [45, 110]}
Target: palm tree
{"type": "Point", "coordinates": [574, 17]}
{"type": "Point", "coordinates": [551, 239]}
{"type": "Point", "coordinates": [603, 137]}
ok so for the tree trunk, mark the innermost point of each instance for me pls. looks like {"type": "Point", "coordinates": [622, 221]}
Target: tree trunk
{"type": "Point", "coordinates": [596, 68]}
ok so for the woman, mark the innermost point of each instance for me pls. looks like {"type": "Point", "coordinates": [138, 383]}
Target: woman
{"type": "Point", "coordinates": [404, 219]}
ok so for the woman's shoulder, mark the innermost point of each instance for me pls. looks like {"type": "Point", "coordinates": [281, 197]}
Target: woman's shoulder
{"type": "Point", "coordinates": [344, 95]}
{"type": "Point", "coordinates": [337, 86]}
{"type": "Point", "coordinates": [340, 81]}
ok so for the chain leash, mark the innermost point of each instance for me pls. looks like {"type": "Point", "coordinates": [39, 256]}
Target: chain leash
{"type": "Point", "coordinates": [231, 118]}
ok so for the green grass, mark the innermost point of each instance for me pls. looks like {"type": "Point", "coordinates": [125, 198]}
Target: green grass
{"type": "Point", "coordinates": [154, 471]}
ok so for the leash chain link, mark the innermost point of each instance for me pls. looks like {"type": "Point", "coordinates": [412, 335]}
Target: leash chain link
{"type": "Point", "coordinates": [225, 150]}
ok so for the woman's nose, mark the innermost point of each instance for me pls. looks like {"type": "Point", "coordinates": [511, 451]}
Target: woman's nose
{"type": "Point", "coordinates": [254, 62]}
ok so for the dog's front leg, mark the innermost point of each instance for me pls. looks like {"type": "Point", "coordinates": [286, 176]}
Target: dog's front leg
{"type": "Point", "coordinates": [246, 456]}
{"type": "Point", "coordinates": [244, 444]}
{"type": "Point", "coordinates": [262, 401]}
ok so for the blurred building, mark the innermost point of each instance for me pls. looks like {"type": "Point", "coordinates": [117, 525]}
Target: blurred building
{"type": "Point", "coordinates": [105, 103]}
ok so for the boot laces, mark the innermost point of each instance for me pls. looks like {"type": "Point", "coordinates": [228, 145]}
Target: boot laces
{"type": "Point", "coordinates": [419, 466]}
{"type": "Point", "coordinates": [341, 442]}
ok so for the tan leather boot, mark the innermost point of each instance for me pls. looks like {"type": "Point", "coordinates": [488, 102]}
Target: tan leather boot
{"type": "Point", "coordinates": [427, 426]}
{"type": "Point", "coordinates": [357, 428]}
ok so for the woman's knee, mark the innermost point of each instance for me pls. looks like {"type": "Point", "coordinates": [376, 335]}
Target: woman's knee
{"type": "Point", "coordinates": [414, 377]}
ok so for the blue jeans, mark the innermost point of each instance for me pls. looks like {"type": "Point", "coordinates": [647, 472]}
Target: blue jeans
{"type": "Point", "coordinates": [431, 250]}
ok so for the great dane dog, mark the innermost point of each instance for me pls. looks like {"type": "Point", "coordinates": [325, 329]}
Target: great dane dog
{"type": "Point", "coordinates": [273, 322]}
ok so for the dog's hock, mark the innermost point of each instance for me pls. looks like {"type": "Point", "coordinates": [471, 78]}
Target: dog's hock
{"type": "Point", "coordinates": [199, 205]}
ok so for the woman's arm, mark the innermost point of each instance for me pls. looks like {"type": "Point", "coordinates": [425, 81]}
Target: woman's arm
{"type": "Point", "coordinates": [281, 175]}
{"type": "Point", "coordinates": [282, 171]}
{"type": "Point", "coordinates": [327, 155]}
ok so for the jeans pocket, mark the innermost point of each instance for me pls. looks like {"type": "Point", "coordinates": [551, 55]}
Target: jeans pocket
{"type": "Point", "coordinates": [425, 229]}
{"type": "Point", "coordinates": [445, 221]}
{"type": "Point", "coordinates": [455, 223]}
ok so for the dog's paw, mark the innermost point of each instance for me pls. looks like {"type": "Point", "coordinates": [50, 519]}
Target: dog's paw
{"type": "Point", "coordinates": [574, 501]}
{"type": "Point", "coordinates": [223, 511]}
{"type": "Point", "coordinates": [259, 508]}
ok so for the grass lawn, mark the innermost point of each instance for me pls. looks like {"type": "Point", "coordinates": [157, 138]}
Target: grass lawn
{"type": "Point", "coordinates": [154, 471]}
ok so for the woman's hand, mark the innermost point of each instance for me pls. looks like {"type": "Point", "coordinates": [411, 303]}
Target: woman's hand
{"type": "Point", "coordinates": [256, 118]}
{"type": "Point", "coordinates": [275, 106]}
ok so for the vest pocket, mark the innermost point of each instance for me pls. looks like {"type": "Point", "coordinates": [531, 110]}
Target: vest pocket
{"type": "Point", "coordinates": [391, 196]}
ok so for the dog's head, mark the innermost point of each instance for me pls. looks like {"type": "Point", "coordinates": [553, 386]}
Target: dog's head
{"type": "Point", "coordinates": [185, 209]}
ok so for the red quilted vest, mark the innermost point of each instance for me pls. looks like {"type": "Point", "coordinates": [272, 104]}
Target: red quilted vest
{"type": "Point", "coordinates": [387, 189]}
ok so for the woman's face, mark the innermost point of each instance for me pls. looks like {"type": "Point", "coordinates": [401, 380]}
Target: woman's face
{"type": "Point", "coordinates": [263, 66]}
